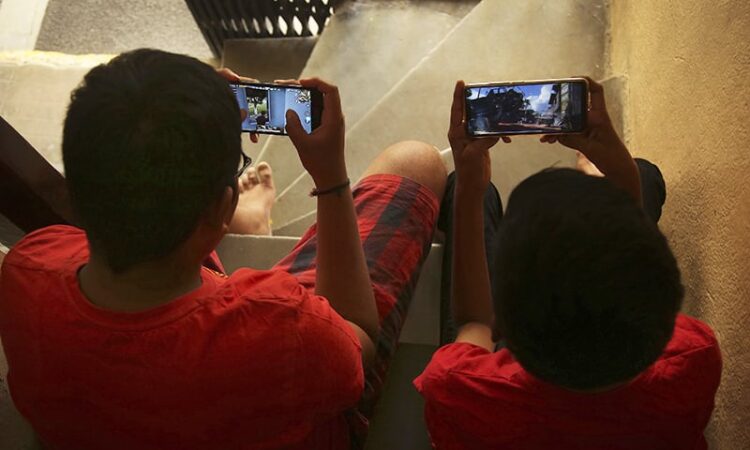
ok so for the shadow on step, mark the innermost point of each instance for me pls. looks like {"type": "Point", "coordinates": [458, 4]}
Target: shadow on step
{"type": "Point", "coordinates": [398, 422]}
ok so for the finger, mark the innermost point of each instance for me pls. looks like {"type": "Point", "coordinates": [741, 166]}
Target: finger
{"type": "Point", "coordinates": [596, 92]}
{"type": "Point", "coordinates": [254, 138]}
{"type": "Point", "coordinates": [249, 80]}
{"type": "Point", "coordinates": [294, 128]}
{"type": "Point", "coordinates": [228, 74]}
{"type": "Point", "coordinates": [319, 84]}
{"type": "Point", "coordinates": [287, 81]}
{"type": "Point", "coordinates": [457, 108]}
{"type": "Point", "coordinates": [506, 139]}
{"type": "Point", "coordinates": [331, 100]}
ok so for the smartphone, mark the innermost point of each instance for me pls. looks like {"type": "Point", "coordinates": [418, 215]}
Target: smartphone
{"type": "Point", "coordinates": [267, 104]}
{"type": "Point", "coordinates": [527, 107]}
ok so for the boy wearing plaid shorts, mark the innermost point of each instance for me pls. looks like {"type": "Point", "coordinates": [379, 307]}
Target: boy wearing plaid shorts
{"type": "Point", "coordinates": [119, 335]}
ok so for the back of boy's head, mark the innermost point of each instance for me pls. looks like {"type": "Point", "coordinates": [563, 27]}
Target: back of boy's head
{"type": "Point", "coordinates": [150, 141]}
{"type": "Point", "coordinates": [586, 288]}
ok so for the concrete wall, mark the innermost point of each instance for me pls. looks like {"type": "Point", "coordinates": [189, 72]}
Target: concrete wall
{"type": "Point", "coordinates": [686, 95]}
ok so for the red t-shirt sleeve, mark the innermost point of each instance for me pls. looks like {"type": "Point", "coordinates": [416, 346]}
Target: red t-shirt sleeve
{"type": "Point", "coordinates": [442, 386]}
{"type": "Point", "coordinates": [691, 366]}
{"type": "Point", "coordinates": [443, 362]}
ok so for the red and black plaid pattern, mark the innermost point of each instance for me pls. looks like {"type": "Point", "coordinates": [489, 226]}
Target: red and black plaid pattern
{"type": "Point", "coordinates": [396, 218]}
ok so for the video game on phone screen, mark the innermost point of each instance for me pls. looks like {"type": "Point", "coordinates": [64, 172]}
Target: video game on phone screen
{"type": "Point", "coordinates": [525, 108]}
{"type": "Point", "coordinates": [266, 107]}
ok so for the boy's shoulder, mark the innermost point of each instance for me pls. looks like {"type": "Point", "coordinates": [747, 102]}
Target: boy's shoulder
{"type": "Point", "coordinates": [48, 248]}
{"type": "Point", "coordinates": [691, 359]}
{"type": "Point", "coordinates": [458, 364]}
{"type": "Point", "coordinates": [690, 336]}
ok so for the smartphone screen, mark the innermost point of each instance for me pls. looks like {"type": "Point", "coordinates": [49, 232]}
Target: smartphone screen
{"type": "Point", "coordinates": [545, 107]}
{"type": "Point", "coordinates": [267, 104]}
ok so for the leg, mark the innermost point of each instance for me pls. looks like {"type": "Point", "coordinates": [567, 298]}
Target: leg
{"type": "Point", "coordinates": [253, 213]}
{"type": "Point", "coordinates": [397, 203]}
{"type": "Point", "coordinates": [493, 213]}
{"type": "Point", "coordinates": [653, 189]}
{"type": "Point", "coordinates": [257, 194]}
{"type": "Point", "coordinates": [414, 160]}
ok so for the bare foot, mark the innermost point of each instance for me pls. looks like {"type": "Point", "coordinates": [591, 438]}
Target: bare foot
{"type": "Point", "coordinates": [584, 165]}
{"type": "Point", "coordinates": [257, 194]}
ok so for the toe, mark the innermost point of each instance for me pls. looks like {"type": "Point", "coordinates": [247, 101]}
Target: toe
{"type": "Point", "coordinates": [244, 182]}
{"type": "Point", "coordinates": [265, 173]}
{"type": "Point", "coordinates": [252, 176]}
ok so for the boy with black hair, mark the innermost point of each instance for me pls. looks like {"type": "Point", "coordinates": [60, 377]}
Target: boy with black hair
{"type": "Point", "coordinates": [127, 335]}
{"type": "Point", "coordinates": [585, 302]}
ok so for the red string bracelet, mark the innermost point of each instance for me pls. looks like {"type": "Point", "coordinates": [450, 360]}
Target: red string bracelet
{"type": "Point", "coordinates": [338, 188]}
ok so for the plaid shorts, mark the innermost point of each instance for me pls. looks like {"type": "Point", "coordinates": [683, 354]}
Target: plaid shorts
{"type": "Point", "coordinates": [396, 218]}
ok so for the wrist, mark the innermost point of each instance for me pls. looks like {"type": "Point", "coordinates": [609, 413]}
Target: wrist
{"type": "Point", "coordinates": [330, 179]}
{"type": "Point", "coordinates": [611, 156]}
{"type": "Point", "coordinates": [325, 184]}
{"type": "Point", "coordinates": [337, 189]}
{"type": "Point", "coordinates": [469, 194]}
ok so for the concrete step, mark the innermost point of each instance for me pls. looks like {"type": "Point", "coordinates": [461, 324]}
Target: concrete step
{"type": "Point", "coordinates": [268, 59]}
{"type": "Point", "coordinates": [298, 226]}
{"type": "Point", "coordinates": [365, 49]}
{"type": "Point", "coordinates": [115, 26]}
{"type": "Point", "coordinates": [422, 325]}
{"type": "Point", "coordinates": [497, 40]}
{"type": "Point", "coordinates": [398, 420]}
{"type": "Point", "coordinates": [34, 95]}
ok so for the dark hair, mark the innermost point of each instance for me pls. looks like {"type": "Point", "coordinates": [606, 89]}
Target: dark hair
{"type": "Point", "coordinates": [150, 140]}
{"type": "Point", "coordinates": [586, 289]}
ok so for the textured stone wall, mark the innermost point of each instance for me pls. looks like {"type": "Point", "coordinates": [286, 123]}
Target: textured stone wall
{"type": "Point", "coordinates": [686, 91]}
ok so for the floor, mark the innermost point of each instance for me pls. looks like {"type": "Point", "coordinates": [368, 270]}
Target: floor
{"type": "Point", "coordinates": [114, 26]}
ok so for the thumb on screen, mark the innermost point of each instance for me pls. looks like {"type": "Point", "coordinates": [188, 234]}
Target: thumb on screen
{"type": "Point", "coordinates": [294, 126]}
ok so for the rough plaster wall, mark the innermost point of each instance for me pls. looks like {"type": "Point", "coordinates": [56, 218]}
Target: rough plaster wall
{"type": "Point", "coordinates": [686, 98]}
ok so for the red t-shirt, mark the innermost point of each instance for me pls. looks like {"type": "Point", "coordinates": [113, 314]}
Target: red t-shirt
{"type": "Point", "coordinates": [478, 400]}
{"type": "Point", "coordinates": [252, 361]}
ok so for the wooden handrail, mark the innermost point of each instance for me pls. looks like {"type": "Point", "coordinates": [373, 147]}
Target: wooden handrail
{"type": "Point", "coordinates": [33, 194]}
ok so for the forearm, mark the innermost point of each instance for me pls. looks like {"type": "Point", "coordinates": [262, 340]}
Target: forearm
{"type": "Point", "coordinates": [471, 295]}
{"type": "Point", "coordinates": [342, 274]}
{"type": "Point", "coordinates": [616, 163]}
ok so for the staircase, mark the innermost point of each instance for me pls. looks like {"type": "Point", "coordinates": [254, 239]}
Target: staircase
{"type": "Point", "coordinates": [395, 63]}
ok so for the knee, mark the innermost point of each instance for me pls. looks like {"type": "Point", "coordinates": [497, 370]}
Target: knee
{"type": "Point", "coordinates": [418, 161]}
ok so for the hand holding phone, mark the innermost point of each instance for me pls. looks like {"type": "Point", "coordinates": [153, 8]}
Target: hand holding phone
{"type": "Point", "coordinates": [602, 146]}
{"type": "Point", "coordinates": [322, 151]}
{"type": "Point", "coordinates": [232, 77]}
{"type": "Point", "coordinates": [599, 130]}
{"type": "Point", "coordinates": [470, 155]}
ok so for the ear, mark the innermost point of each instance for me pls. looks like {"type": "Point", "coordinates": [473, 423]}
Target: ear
{"type": "Point", "coordinates": [226, 205]}
{"type": "Point", "coordinates": [214, 223]}
{"type": "Point", "coordinates": [221, 212]}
